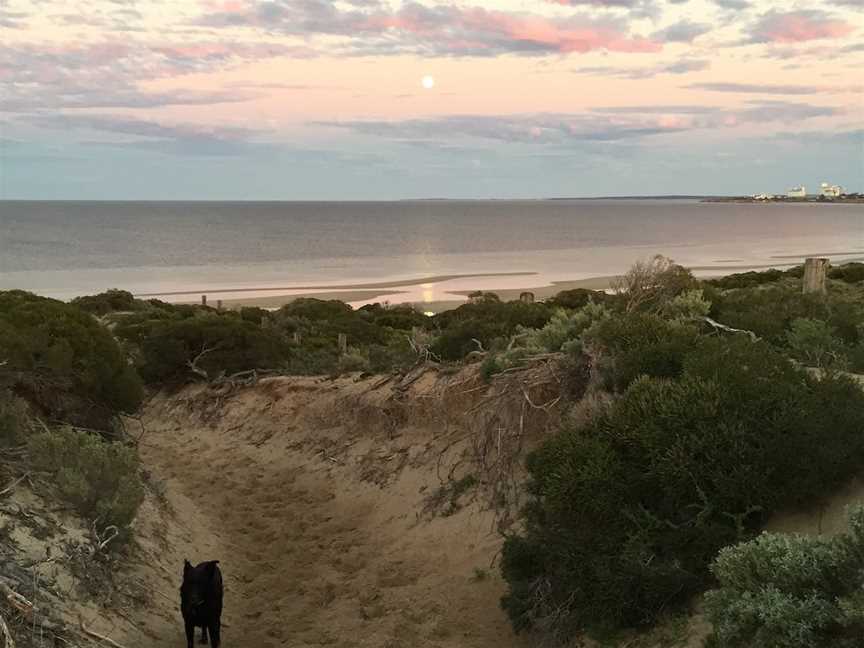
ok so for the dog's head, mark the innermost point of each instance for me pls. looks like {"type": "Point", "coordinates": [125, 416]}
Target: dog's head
{"type": "Point", "coordinates": [198, 583]}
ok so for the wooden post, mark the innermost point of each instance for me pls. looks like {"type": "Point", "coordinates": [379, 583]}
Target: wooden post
{"type": "Point", "coordinates": [203, 300]}
{"type": "Point", "coordinates": [343, 343]}
{"type": "Point", "coordinates": [218, 304]}
{"type": "Point", "coordinates": [526, 298]}
{"type": "Point", "coordinates": [815, 275]}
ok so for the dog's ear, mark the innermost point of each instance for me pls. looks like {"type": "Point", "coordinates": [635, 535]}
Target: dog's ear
{"type": "Point", "coordinates": [187, 567]}
{"type": "Point", "coordinates": [211, 566]}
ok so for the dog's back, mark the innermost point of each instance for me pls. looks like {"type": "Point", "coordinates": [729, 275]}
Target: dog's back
{"type": "Point", "coordinates": [201, 601]}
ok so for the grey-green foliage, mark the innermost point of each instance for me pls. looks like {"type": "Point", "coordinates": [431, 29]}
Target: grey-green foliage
{"type": "Point", "coordinates": [100, 478]}
{"type": "Point", "coordinates": [561, 334]}
{"type": "Point", "coordinates": [790, 591]}
{"type": "Point", "coordinates": [686, 306]}
{"type": "Point", "coordinates": [815, 343]}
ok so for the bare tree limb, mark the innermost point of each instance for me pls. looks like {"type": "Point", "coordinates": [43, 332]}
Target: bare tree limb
{"type": "Point", "coordinates": [729, 329]}
{"type": "Point", "coordinates": [193, 364]}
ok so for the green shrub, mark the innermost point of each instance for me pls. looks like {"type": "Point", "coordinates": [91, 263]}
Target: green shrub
{"type": "Point", "coordinates": [14, 421]}
{"type": "Point", "coordinates": [487, 322]}
{"type": "Point", "coordinates": [770, 311]}
{"type": "Point", "coordinates": [814, 343]}
{"type": "Point", "coordinates": [216, 343]}
{"type": "Point", "coordinates": [848, 273]}
{"type": "Point", "coordinates": [98, 477]}
{"type": "Point", "coordinates": [790, 591]}
{"type": "Point", "coordinates": [752, 279]}
{"type": "Point", "coordinates": [627, 511]}
{"type": "Point", "coordinates": [64, 361]}
{"type": "Point", "coordinates": [577, 298]}
{"type": "Point", "coordinates": [110, 301]}
{"type": "Point", "coordinates": [640, 344]}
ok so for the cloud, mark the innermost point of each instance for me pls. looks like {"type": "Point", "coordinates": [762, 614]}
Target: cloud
{"type": "Point", "coordinates": [149, 135]}
{"type": "Point", "coordinates": [681, 32]}
{"type": "Point", "coordinates": [682, 66]}
{"type": "Point", "coordinates": [797, 27]}
{"type": "Point", "coordinates": [735, 5]}
{"type": "Point", "coordinates": [108, 74]}
{"type": "Point", "coordinates": [757, 88]}
{"type": "Point", "coordinates": [603, 124]}
{"type": "Point", "coordinates": [437, 30]}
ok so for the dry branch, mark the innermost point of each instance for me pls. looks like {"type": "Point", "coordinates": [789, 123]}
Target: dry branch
{"type": "Point", "coordinates": [16, 601]}
{"type": "Point", "coordinates": [729, 329]}
{"type": "Point", "coordinates": [96, 635]}
{"type": "Point", "coordinates": [12, 486]}
{"type": "Point", "coordinates": [8, 641]}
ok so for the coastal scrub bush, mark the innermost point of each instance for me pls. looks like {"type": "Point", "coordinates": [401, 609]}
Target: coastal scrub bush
{"type": "Point", "coordinates": [848, 272]}
{"type": "Point", "coordinates": [14, 421]}
{"type": "Point", "coordinates": [64, 362]}
{"type": "Point", "coordinates": [627, 509]}
{"type": "Point", "coordinates": [815, 343]}
{"type": "Point", "coordinates": [110, 301]}
{"type": "Point", "coordinates": [769, 311]}
{"type": "Point", "coordinates": [752, 279]}
{"type": "Point", "coordinates": [648, 285]}
{"type": "Point", "coordinates": [214, 343]}
{"type": "Point", "coordinates": [100, 478]}
{"type": "Point", "coordinates": [486, 322]}
{"type": "Point", "coordinates": [577, 298]}
{"type": "Point", "coordinates": [640, 344]}
{"type": "Point", "coordinates": [790, 591]}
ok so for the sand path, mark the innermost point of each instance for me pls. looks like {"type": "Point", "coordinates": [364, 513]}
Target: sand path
{"type": "Point", "coordinates": [311, 557]}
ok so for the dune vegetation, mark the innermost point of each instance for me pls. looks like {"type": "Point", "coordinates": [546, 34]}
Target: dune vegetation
{"type": "Point", "coordinates": [716, 404]}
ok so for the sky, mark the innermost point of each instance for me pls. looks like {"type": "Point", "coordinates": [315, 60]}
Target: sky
{"type": "Point", "coordinates": [395, 99]}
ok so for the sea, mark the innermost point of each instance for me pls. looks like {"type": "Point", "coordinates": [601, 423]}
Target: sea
{"type": "Point", "coordinates": [180, 250]}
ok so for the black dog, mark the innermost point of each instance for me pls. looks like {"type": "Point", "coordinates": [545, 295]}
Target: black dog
{"type": "Point", "coordinates": [201, 601]}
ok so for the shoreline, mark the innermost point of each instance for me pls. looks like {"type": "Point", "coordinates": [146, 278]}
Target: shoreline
{"type": "Point", "coordinates": [433, 295]}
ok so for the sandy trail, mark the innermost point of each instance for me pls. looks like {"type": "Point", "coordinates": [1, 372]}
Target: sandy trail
{"type": "Point", "coordinates": [318, 550]}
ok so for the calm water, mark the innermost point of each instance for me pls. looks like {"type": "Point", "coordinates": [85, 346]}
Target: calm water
{"type": "Point", "coordinates": [64, 249]}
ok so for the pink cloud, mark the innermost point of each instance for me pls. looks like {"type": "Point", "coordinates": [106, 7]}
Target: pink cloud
{"type": "Point", "coordinates": [798, 26]}
{"type": "Point", "coordinates": [437, 29]}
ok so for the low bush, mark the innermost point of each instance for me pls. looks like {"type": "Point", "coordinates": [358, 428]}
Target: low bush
{"type": "Point", "coordinates": [848, 273]}
{"type": "Point", "coordinates": [628, 509]}
{"type": "Point", "coordinates": [790, 591]}
{"type": "Point", "coordinates": [486, 322]}
{"type": "Point", "coordinates": [98, 477]}
{"type": "Point", "coordinates": [752, 279]}
{"type": "Point", "coordinates": [215, 343]}
{"type": "Point", "coordinates": [14, 421]}
{"type": "Point", "coordinates": [815, 343]}
{"type": "Point", "coordinates": [577, 298]}
{"type": "Point", "coordinates": [64, 362]}
{"type": "Point", "coordinates": [110, 301]}
{"type": "Point", "coordinates": [640, 344]}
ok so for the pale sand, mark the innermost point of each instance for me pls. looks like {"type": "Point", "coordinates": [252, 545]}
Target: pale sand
{"type": "Point", "coordinates": [354, 296]}
{"type": "Point", "coordinates": [360, 286]}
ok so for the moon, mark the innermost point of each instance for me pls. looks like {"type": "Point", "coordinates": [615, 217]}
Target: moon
{"type": "Point", "coordinates": [428, 82]}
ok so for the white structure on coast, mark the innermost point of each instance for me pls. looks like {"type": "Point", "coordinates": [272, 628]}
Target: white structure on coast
{"type": "Point", "coordinates": [830, 191]}
{"type": "Point", "coordinates": [797, 192]}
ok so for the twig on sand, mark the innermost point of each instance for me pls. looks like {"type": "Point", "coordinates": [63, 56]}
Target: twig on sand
{"type": "Point", "coordinates": [12, 486]}
{"type": "Point", "coordinates": [96, 635]}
